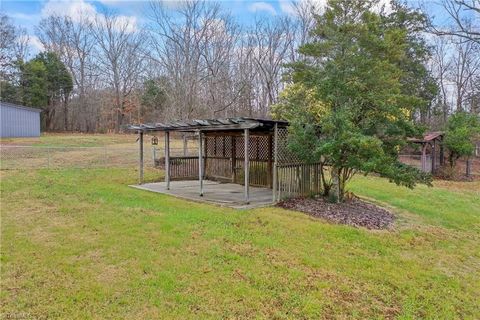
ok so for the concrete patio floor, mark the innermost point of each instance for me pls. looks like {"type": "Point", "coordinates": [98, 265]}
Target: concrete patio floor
{"type": "Point", "coordinates": [223, 194]}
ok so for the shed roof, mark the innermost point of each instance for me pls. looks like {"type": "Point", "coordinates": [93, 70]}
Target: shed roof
{"type": "Point", "coordinates": [225, 124]}
{"type": "Point", "coordinates": [17, 106]}
{"type": "Point", "coordinates": [429, 136]}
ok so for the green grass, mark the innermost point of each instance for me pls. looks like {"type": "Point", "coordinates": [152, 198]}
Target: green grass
{"type": "Point", "coordinates": [87, 140]}
{"type": "Point", "coordinates": [73, 140]}
{"type": "Point", "coordinates": [81, 244]}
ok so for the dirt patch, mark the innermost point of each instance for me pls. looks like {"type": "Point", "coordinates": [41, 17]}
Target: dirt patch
{"type": "Point", "coordinates": [353, 212]}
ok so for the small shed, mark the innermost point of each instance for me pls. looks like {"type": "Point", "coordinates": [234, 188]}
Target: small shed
{"type": "Point", "coordinates": [432, 150]}
{"type": "Point", "coordinates": [242, 151]}
{"type": "Point", "coordinates": [19, 121]}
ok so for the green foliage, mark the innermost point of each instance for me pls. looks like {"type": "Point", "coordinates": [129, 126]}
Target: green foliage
{"type": "Point", "coordinates": [154, 96]}
{"type": "Point", "coordinates": [350, 100]}
{"type": "Point", "coordinates": [462, 129]}
{"type": "Point", "coordinates": [34, 84]}
{"type": "Point", "coordinates": [59, 82]}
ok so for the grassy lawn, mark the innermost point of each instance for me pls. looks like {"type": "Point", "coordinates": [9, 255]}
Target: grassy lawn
{"type": "Point", "coordinates": [79, 243]}
{"type": "Point", "coordinates": [82, 244]}
{"type": "Point", "coordinates": [87, 140]}
{"type": "Point", "coordinates": [73, 140]}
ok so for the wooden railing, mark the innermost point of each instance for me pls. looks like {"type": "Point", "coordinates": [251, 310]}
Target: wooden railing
{"type": "Point", "coordinates": [298, 179]}
{"type": "Point", "coordinates": [183, 168]}
{"type": "Point", "coordinates": [221, 169]}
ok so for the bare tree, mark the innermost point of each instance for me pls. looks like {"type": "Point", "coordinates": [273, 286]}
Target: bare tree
{"type": "Point", "coordinates": [13, 45]}
{"type": "Point", "coordinates": [120, 58]}
{"type": "Point", "coordinates": [73, 42]}
{"type": "Point", "coordinates": [441, 65]}
{"type": "Point", "coordinates": [465, 18]}
{"type": "Point", "coordinates": [273, 41]}
{"type": "Point", "coordinates": [465, 68]}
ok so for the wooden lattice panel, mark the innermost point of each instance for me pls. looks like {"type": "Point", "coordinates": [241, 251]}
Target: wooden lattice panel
{"type": "Point", "coordinates": [284, 155]}
{"type": "Point", "coordinates": [221, 165]}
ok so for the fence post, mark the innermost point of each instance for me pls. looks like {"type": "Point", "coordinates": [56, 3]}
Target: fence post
{"type": "Point", "coordinates": [468, 170]}
{"type": "Point", "coordinates": [154, 155]}
{"type": "Point", "coordinates": [48, 157]}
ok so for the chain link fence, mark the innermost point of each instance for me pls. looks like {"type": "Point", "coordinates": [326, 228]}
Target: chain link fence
{"type": "Point", "coordinates": [13, 157]}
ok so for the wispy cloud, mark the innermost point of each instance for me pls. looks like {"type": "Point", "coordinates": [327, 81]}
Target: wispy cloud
{"type": "Point", "coordinates": [262, 6]}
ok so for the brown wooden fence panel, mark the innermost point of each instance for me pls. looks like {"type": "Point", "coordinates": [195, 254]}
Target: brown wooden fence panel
{"type": "Point", "coordinates": [298, 179]}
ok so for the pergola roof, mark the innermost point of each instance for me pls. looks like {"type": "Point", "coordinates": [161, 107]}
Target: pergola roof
{"type": "Point", "coordinates": [430, 136]}
{"type": "Point", "coordinates": [226, 124]}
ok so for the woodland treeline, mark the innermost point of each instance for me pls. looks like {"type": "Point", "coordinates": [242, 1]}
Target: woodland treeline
{"type": "Point", "coordinates": [100, 72]}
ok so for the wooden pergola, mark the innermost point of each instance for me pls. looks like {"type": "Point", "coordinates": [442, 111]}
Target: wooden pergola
{"type": "Point", "coordinates": [239, 150]}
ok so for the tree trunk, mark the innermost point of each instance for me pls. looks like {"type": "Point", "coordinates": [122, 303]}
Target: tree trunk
{"type": "Point", "coordinates": [65, 115]}
{"type": "Point", "coordinates": [119, 121]}
{"type": "Point", "coordinates": [336, 189]}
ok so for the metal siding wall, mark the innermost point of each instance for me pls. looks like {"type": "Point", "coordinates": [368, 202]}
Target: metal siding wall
{"type": "Point", "coordinates": [17, 122]}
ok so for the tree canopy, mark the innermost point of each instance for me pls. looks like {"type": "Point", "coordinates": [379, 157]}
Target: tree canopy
{"type": "Point", "coordinates": [462, 129]}
{"type": "Point", "coordinates": [355, 81]}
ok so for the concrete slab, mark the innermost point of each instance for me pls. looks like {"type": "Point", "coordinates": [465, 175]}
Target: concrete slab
{"type": "Point", "coordinates": [222, 194]}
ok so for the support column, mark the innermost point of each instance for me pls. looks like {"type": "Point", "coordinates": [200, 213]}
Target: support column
{"type": "Point", "coordinates": [442, 153]}
{"type": "Point", "coordinates": [140, 159]}
{"type": "Point", "coordinates": [275, 158]}
{"type": "Point", "coordinates": [200, 162]}
{"type": "Point", "coordinates": [434, 154]}
{"type": "Point", "coordinates": [269, 162]}
{"type": "Point", "coordinates": [234, 160]}
{"type": "Point", "coordinates": [167, 159]}
{"type": "Point", "coordinates": [246, 138]}
{"type": "Point", "coordinates": [185, 146]}
{"type": "Point", "coordinates": [424, 157]}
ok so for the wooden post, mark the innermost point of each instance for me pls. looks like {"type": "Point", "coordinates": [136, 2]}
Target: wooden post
{"type": "Point", "coordinates": [442, 153]}
{"type": "Point", "coordinates": [275, 159]}
{"type": "Point", "coordinates": [234, 159]}
{"type": "Point", "coordinates": [200, 160]}
{"type": "Point", "coordinates": [185, 147]}
{"type": "Point", "coordinates": [468, 169]}
{"type": "Point", "coordinates": [140, 158]}
{"type": "Point", "coordinates": [167, 159]}
{"type": "Point", "coordinates": [434, 154]}
{"type": "Point", "coordinates": [424, 157]}
{"type": "Point", "coordinates": [269, 161]}
{"type": "Point", "coordinates": [246, 139]}
{"type": "Point", "coordinates": [205, 155]}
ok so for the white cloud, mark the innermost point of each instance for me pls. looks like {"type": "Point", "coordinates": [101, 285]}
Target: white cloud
{"type": "Point", "coordinates": [383, 4]}
{"type": "Point", "coordinates": [81, 10]}
{"type": "Point", "coordinates": [287, 7]}
{"type": "Point", "coordinates": [262, 6]}
{"type": "Point", "coordinates": [74, 9]}
{"type": "Point", "coordinates": [35, 43]}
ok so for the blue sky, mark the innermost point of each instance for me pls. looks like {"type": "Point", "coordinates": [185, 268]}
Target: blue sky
{"type": "Point", "coordinates": [28, 13]}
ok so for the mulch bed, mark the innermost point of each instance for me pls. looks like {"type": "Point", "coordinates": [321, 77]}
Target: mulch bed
{"type": "Point", "coordinates": [353, 212]}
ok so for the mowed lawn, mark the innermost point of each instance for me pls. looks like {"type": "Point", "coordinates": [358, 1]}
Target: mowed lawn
{"type": "Point", "coordinates": [80, 244]}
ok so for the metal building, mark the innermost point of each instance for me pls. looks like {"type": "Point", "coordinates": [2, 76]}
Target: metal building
{"type": "Point", "coordinates": [19, 121]}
